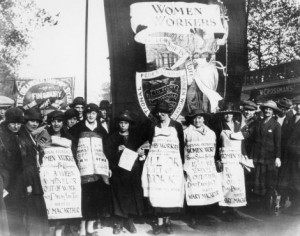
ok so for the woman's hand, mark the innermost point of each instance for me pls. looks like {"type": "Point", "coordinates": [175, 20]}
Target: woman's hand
{"type": "Point", "coordinates": [29, 190]}
{"type": "Point", "coordinates": [121, 148]}
{"type": "Point", "coordinates": [277, 162]}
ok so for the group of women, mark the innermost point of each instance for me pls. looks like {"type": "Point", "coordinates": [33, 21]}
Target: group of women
{"type": "Point", "coordinates": [198, 167]}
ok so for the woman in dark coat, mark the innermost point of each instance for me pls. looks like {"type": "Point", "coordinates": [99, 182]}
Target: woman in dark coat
{"type": "Point", "coordinates": [96, 192]}
{"type": "Point", "coordinates": [35, 210]}
{"type": "Point", "coordinates": [11, 170]}
{"type": "Point", "coordinates": [289, 182]}
{"type": "Point", "coordinates": [126, 185]}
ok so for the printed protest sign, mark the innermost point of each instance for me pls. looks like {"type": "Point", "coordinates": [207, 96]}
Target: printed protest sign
{"type": "Point", "coordinates": [162, 178]}
{"type": "Point", "coordinates": [233, 179]}
{"type": "Point", "coordinates": [90, 155]}
{"type": "Point", "coordinates": [203, 183]}
{"type": "Point", "coordinates": [60, 180]}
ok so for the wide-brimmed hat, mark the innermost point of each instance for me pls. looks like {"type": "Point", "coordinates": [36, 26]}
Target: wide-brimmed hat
{"type": "Point", "coordinates": [33, 114]}
{"type": "Point", "coordinates": [14, 115]}
{"type": "Point", "coordinates": [125, 116]}
{"type": "Point", "coordinates": [163, 107]}
{"type": "Point", "coordinates": [249, 105]}
{"type": "Point", "coordinates": [55, 115]}
{"type": "Point", "coordinates": [70, 113]}
{"type": "Point", "coordinates": [78, 101]}
{"type": "Point", "coordinates": [296, 100]}
{"type": "Point", "coordinates": [284, 103]}
{"type": "Point", "coordinates": [270, 104]}
{"type": "Point", "coordinates": [6, 101]}
{"type": "Point", "coordinates": [228, 108]}
{"type": "Point", "coordinates": [104, 105]}
{"type": "Point", "coordinates": [91, 107]}
{"type": "Point", "coordinates": [197, 112]}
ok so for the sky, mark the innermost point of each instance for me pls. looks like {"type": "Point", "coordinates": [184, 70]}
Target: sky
{"type": "Point", "coordinates": [58, 51]}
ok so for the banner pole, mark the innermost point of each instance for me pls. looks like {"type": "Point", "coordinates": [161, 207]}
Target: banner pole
{"type": "Point", "coordinates": [86, 48]}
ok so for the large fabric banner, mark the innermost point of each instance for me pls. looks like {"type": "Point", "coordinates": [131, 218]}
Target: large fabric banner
{"type": "Point", "coordinates": [203, 183]}
{"type": "Point", "coordinates": [90, 155]}
{"type": "Point", "coordinates": [45, 94]}
{"type": "Point", "coordinates": [182, 38]}
{"type": "Point", "coordinates": [61, 183]}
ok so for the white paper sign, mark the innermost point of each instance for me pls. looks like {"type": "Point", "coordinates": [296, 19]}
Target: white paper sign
{"type": "Point", "coordinates": [61, 183]}
{"type": "Point", "coordinates": [162, 177]}
{"type": "Point", "coordinates": [90, 156]}
{"type": "Point", "coordinates": [127, 159]}
{"type": "Point", "coordinates": [203, 183]}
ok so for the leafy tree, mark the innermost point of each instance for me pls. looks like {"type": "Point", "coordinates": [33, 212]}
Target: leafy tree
{"type": "Point", "coordinates": [273, 32]}
{"type": "Point", "coordinates": [18, 19]}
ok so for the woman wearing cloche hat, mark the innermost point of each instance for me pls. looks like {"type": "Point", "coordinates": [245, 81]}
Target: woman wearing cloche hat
{"type": "Point", "coordinates": [126, 183]}
{"type": "Point", "coordinates": [266, 154]}
{"type": "Point", "coordinates": [166, 154]}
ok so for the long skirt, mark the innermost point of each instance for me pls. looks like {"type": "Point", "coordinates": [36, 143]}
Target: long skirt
{"type": "Point", "coordinates": [265, 179]}
{"type": "Point", "coordinates": [96, 200]}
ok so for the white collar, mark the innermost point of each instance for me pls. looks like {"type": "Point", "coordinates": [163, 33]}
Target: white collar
{"type": "Point", "coordinates": [91, 126]}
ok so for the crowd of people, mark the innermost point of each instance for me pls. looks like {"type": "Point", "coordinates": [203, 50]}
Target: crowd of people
{"type": "Point", "coordinates": [209, 164]}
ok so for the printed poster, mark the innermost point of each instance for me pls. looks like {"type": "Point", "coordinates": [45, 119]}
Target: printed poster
{"type": "Point", "coordinates": [203, 183]}
{"type": "Point", "coordinates": [61, 183]}
{"type": "Point", "coordinates": [91, 158]}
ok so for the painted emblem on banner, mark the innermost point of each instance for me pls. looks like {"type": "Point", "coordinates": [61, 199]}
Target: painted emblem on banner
{"type": "Point", "coordinates": [182, 38]}
{"type": "Point", "coordinates": [46, 94]}
{"type": "Point", "coordinates": [166, 85]}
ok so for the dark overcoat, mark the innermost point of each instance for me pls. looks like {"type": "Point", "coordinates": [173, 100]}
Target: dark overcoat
{"type": "Point", "coordinates": [290, 170]}
{"type": "Point", "coordinates": [126, 185]}
{"type": "Point", "coordinates": [266, 142]}
{"type": "Point", "coordinates": [35, 206]}
{"type": "Point", "coordinates": [11, 172]}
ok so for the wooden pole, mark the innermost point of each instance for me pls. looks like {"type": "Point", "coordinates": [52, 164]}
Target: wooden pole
{"type": "Point", "coordinates": [86, 48]}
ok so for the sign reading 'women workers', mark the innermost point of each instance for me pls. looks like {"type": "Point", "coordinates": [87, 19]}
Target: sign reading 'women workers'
{"type": "Point", "coordinates": [181, 41]}
{"type": "Point", "coordinates": [61, 183]}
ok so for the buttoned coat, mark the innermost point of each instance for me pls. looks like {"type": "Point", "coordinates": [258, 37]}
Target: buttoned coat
{"type": "Point", "coordinates": [266, 142]}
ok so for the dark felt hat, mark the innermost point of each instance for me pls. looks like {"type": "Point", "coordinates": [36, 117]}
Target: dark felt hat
{"type": "Point", "coordinates": [125, 116]}
{"type": "Point", "coordinates": [270, 104]}
{"type": "Point", "coordinates": [91, 107]}
{"type": "Point", "coordinates": [249, 105]}
{"type": "Point", "coordinates": [14, 115]}
{"type": "Point", "coordinates": [284, 103]}
{"type": "Point", "coordinates": [228, 108]}
{"type": "Point", "coordinates": [197, 112]}
{"type": "Point", "coordinates": [163, 107]}
{"type": "Point", "coordinates": [70, 113]}
{"type": "Point", "coordinates": [104, 105]}
{"type": "Point", "coordinates": [55, 115]}
{"type": "Point", "coordinates": [33, 114]}
{"type": "Point", "coordinates": [78, 101]}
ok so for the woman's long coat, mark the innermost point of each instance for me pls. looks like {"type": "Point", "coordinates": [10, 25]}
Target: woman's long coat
{"type": "Point", "coordinates": [12, 175]}
{"type": "Point", "coordinates": [290, 170]}
{"type": "Point", "coordinates": [126, 185]}
{"type": "Point", "coordinates": [35, 209]}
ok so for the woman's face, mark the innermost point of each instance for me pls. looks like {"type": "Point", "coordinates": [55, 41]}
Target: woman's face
{"type": "Point", "coordinates": [297, 108]}
{"type": "Point", "coordinates": [228, 117]}
{"type": "Point", "coordinates": [91, 117]}
{"type": "Point", "coordinates": [57, 125]}
{"type": "Point", "coordinates": [32, 125]}
{"type": "Point", "coordinates": [124, 125]}
{"type": "Point", "coordinates": [268, 112]}
{"type": "Point", "coordinates": [72, 121]}
{"type": "Point", "coordinates": [162, 116]}
{"type": "Point", "coordinates": [198, 121]}
{"type": "Point", "coordinates": [14, 127]}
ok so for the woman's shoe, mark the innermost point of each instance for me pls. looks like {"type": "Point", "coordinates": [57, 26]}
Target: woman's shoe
{"type": "Point", "coordinates": [157, 229]}
{"type": "Point", "coordinates": [117, 229]}
{"type": "Point", "coordinates": [130, 226]}
{"type": "Point", "coordinates": [168, 227]}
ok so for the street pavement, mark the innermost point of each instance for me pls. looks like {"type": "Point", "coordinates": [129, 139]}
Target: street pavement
{"type": "Point", "coordinates": [252, 221]}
